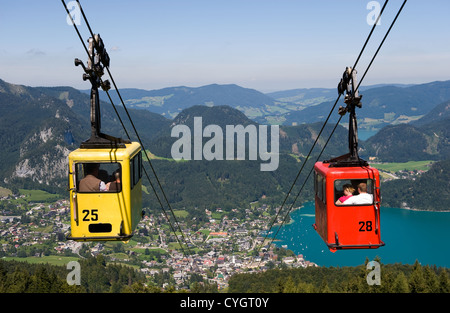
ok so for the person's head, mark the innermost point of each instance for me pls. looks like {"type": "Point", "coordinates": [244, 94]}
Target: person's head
{"type": "Point", "coordinates": [92, 168]}
{"type": "Point", "coordinates": [348, 189]}
{"type": "Point", "coordinates": [362, 187]}
{"type": "Point", "coordinates": [117, 175]}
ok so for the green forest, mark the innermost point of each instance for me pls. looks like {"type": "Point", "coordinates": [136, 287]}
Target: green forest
{"type": "Point", "coordinates": [96, 277]}
{"type": "Point", "coordinates": [99, 277]}
{"type": "Point", "coordinates": [430, 191]}
{"type": "Point", "coordinates": [395, 278]}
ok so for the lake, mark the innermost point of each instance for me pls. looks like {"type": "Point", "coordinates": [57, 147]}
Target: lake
{"type": "Point", "coordinates": [408, 235]}
{"type": "Point", "coordinates": [364, 134]}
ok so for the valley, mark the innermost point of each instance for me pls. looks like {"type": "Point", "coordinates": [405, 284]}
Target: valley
{"type": "Point", "coordinates": [49, 122]}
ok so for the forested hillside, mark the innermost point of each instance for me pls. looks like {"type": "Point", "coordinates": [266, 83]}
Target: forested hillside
{"type": "Point", "coordinates": [405, 142]}
{"type": "Point", "coordinates": [395, 278]}
{"type": "Point", "coordinates": [430, 191]}
{"type": "Point", "coordinates": [383, 106]}
{"type": "Point", "coordinates": [97, 277]}
{"type": "Point", "coordinates": [228, 183]}
{"type": "Point", "coordinates": [40, 126]}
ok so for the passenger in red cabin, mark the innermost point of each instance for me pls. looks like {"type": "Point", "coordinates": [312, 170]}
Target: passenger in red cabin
{"type": "Point", "coordinates": [348, 192]}
{"type": "Point", "coordinates": [362, 198]}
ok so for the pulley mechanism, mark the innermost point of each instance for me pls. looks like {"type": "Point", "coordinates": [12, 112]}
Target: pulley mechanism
{"type": "Point", "coordinates": [98, 59]}
{"type": "Point", "coordinates": [352, 99]}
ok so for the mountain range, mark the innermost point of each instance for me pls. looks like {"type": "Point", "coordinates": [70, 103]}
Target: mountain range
{"type": "Point", "coordinates": [382, 104]}
{"type": "Point", "coordinates": [169, 102]}
{"type": "Point", "coordinates": [39, 126]}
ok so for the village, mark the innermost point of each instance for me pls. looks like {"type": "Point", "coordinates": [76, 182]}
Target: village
{"type": "Point", "coordinates": [212, 251]}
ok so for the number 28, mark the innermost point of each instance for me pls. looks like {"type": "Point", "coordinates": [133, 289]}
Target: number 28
{"type": "Point", "coordinates": [365, 226]}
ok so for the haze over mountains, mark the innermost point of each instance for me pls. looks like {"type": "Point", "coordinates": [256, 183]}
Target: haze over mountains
{"type": "Point", "coordinates": [39, 126]}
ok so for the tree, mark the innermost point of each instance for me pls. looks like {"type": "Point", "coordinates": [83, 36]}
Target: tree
{"type": "Point", "coordinates": [444, 282]}
{"type": "Point", "coordinates": [303, 287]}
{"type": "Point", "coordinates": [289, 286]}
{"type": "Point", "coordinates": [3, 276]}
{"type": "Point", "coordinates": [432, 283]}
{"type": "Point", "coordinates": [324, 288]}
{"type": "Point", "coordinates": [417, 283]}
{"type": "Point", "coordinates": [41, 281]}
{"type": "Point", "coordinates": [18, 282]}
{"type": "Point", "coordinates": [400, 284]}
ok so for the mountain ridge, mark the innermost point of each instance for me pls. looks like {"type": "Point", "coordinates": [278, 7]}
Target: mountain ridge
{"type": "Point", "coordinates": [383, 104]}
{"type": "Point", "coordinates": [428, 138]}
{"type": "Point", "coordinates": [170, 101]}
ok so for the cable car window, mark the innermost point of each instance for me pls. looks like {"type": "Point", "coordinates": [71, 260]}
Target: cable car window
{"type": "Point", "coordinates": [135, 169]}
{"type": "Point", "coordinates": [319, 185]}
{"type": "Point", "coordinates": [315, 183]}
{"type": "Point", "coordinates": [353, 191]}
{"type": "Point", "coordinates": [99, 177]}
{"type": "Point", "coordinates": [140, 165]}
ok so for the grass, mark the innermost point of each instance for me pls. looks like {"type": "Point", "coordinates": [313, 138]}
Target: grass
{"type": "Point", "coordinates": [38, 195]}
{"type": "Point", "coordinates": [181, 213]}
{"type": "Point", "coordinates": [5, 192]}
{"type": "Point", "coordinates": [218, 215]}
{"type": "Point", "coordinates": [408, 166]}
{"type": "Point", "coordinates": [152, 156]}
{"type": "Point", "coordinates": [51, 259]}
{"type": "Point", "coordinates": [205, 231]}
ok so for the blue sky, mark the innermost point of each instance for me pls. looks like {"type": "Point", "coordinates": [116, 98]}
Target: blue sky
{"type": "Point", "coordinates": [260, 44]}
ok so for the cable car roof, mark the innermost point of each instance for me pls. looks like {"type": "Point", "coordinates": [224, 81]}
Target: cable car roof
{"type": "Point", "coordinates": [106, 154]}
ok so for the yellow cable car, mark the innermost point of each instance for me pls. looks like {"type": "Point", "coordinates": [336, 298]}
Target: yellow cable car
{"type": "Point", "coordinates": [105, 173]}
{"type": "Point", "coordinates": [105, 192]}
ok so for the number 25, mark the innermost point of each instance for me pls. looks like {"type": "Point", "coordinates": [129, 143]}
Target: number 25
{"type": "Point", "coordinates": [93, 213]}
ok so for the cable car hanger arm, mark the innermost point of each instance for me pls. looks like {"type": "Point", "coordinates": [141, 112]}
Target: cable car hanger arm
{"type": "Point", "coordinates": [352, 99]}
{"type": "Point", "coordinates": [98, 59]}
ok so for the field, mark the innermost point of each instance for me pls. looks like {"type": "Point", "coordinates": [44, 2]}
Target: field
{"type": "Point", "coordinates": [408, 166]}
{"type": "Point", "coordinates": [4, 192]}
{"type": "Point", "coordinates": [38, 195]}
{"type": "Point", "coordinates": [52, 259]}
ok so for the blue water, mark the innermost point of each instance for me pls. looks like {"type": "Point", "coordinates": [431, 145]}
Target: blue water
{"type": "Point", "coordinates": [408, 235]}
{"type": "Point", "coordinates": [366, 134]}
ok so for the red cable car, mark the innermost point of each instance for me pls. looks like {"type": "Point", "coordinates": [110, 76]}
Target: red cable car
{"type": "Point", "coordinates": [347, 190]}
